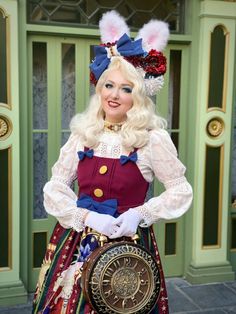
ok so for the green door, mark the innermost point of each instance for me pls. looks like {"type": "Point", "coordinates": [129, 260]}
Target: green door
{"type": "Point", "coordinates": [11, 286]}
{"type": "Point", "coordinates": [58, 88]}
{"type": "Point", "coordinates": [173, 105]}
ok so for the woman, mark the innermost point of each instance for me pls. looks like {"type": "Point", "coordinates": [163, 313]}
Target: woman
{"type": "Point", "coordinates": [115, 150]}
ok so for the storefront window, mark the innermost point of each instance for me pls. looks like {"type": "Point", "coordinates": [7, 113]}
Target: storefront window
{"type": "Point", "coordinates": [88, 13]}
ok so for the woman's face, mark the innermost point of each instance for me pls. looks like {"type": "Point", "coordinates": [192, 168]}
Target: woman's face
{"type": "Point", "coordinates": [116, 97]}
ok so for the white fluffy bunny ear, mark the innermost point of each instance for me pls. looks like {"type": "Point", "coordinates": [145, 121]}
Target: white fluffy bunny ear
{"type": "Point", "coordinates": [112, 27]}
{"type": "Point", "coordinates": [154, 35]}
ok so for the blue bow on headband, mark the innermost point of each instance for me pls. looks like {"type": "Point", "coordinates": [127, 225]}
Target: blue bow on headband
{"type": "Point", "coordinates": [89, 153]}
{"type": "Point", "coordinates": [124, 159]}
{"type": "Point", "coordinates": [125, 46]}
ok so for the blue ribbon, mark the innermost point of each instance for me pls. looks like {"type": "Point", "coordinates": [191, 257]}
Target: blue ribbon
{"type": "Point", "coordinates": [124, 159]}
{"type": "Point", "coordinates": [108, 207]}
{"type": "Point", "coordinates": [89, 153]}
{"type": "Point", "coordinates": [125, 46]}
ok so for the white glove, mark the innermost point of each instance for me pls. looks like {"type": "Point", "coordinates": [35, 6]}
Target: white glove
{"type": "Point", "coordinates": [100, 222]}
{"type": "Point", "coordinates": [126, 224]}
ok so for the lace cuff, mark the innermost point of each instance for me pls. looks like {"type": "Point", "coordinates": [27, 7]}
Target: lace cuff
{"type": "Point", "coordinates": [175, 182]}
{"type": "Point", "coordinates": [78, 219]}
{"type": "Point", "coordinates": [147, 217]}
{"type": "Point", "coordinates": [66, 181]}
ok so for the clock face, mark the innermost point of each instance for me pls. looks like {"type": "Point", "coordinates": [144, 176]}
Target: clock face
{"type": "Point", "coordinates": [125, 279]}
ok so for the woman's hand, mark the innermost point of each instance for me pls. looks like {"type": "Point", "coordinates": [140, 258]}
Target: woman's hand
{"type": "Point", "coordinates": [126, 224]}
{"type": "Point", "coordinates": [101, 223]}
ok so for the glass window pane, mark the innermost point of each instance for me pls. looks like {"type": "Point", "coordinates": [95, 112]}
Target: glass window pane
{"type": "Point", "coordinates": [91, 86]}
{"type": "Point", "coordinates": [175, 139]}
{"type": "Point", "coordinates": [39, 248]}
{"type": "Point", "coordinates": [40, 116]}
{"type": "Point", "coordinates": [68, 84]}
{"type": "Point", "coordinates": [174, 89]}
{"type": "Point", "coordinates": [40, 173]}
{"type": "Point", "coordinates": [150, 192]}
{"type": "Point", "coordinates": [3, 59]}
{"type": "Point", "coordinates": [88, 13]}
{"type": "Point", "coordinates": [64, 137]}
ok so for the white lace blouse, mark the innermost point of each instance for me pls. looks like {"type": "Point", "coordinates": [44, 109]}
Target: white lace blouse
{"type": "Point", "coordinates": [157, 159]}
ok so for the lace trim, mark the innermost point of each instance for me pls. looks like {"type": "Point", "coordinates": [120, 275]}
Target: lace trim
{"type": "Point", "coordinates": [63, 180]}
{"type": "Point", "coordinates": [116, 151]}
{"type": "Point", "coordinates": [174, 183]}
{"type": "Point", "coordinates": [147, 217]}
{"type": "Point", "coordinates": [106, 150]}
{"type": "Point", "coordinates": [78, 219]}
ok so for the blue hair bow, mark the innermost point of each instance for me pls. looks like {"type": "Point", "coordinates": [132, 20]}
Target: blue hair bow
{"type": "Point", "coordinates": [125, 46]}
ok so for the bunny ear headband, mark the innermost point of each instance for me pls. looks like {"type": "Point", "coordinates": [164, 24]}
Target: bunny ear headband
{"type": "Point", "coordinates": [144, 52]}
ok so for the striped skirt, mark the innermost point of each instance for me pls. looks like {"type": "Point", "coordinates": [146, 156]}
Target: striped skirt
{"type": "Point", "coordinates": [59, 289]}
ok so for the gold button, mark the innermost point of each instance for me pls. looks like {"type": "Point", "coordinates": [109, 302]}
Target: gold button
{"type": "Point", "coordinates": [98, 192]}
{"type": "Point", "coordinates": [103, 169]}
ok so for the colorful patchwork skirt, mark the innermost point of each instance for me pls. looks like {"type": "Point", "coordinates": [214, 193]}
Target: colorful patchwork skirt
{"type": "Point", "coordinates": [59, 285]}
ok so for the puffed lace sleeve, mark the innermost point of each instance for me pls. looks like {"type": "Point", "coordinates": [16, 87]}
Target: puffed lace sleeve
{"type": "Point", "coordinates": [162, 158]}
{"type": "Point", "coordinates": [59, 198]}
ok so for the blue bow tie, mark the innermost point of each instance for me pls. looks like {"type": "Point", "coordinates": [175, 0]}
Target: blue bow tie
{"type": "Point", "coordinates": [125, 46]}
{"type": "Point", "coordinates": [89, 153]}
{"type": "Point", "coordinates": [108, 207]}
{"type": "Point", "coordinates": [124, 159]}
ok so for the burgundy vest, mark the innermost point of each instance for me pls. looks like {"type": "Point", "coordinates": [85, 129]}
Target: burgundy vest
{"type": "Point", "coordinates": [106, 178]}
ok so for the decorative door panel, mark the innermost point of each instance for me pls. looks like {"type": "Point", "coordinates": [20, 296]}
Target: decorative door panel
{"type": "Point", "coordinates": [213, 216]}
{"type": "Point", "coordinates": [59, 87]}
{"type": "Point", "coordinates": [172, 104]}
{"type": "Point", "coordinates": [10, 280]}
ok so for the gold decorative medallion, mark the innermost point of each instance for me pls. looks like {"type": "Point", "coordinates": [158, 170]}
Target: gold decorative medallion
{"type": "Point", "coordinates": [234, 204]}
{"type": "Point", "coordinates": [5, 127]}
{"type": "Point", "coordinates": [215, 127]}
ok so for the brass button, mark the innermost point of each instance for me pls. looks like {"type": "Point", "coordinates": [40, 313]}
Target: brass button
{"type": "Point", "coordinates": [103, 169]}
{"type": "Point", "coordinates": [98, 192]}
